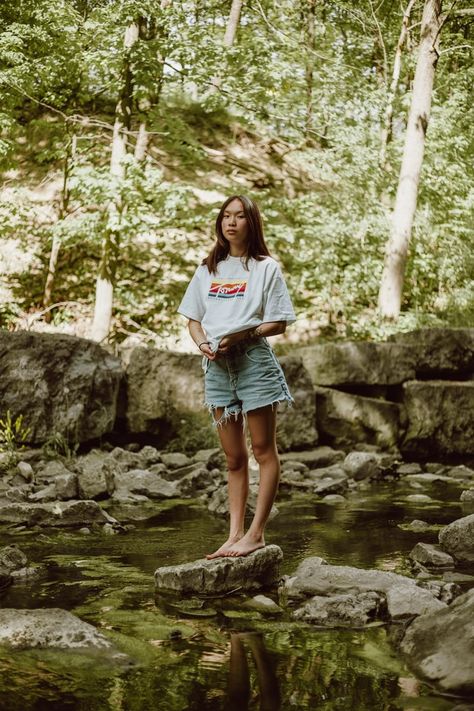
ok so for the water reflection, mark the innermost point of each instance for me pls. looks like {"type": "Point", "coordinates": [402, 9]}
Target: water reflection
{"type": "Point", "coordinates": [239, 687]}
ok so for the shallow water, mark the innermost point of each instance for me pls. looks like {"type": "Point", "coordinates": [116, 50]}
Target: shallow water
{"type": "Point", "coordinates": [217, 654]}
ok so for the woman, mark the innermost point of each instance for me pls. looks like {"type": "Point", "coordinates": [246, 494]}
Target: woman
{"type": "Point", "coordinates": [236, 298]}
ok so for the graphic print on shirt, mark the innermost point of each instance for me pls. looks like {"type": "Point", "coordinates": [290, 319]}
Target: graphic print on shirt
{"type": "Point", "coordinates": [227, 288]}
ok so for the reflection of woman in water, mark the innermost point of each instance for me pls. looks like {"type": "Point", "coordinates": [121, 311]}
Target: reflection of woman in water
{"type": "Point", "coordinates": [236, 298]}
{"type": "Point", "coordinates": [238, 695]}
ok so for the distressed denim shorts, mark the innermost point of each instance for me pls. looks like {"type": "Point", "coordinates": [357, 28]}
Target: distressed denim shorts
{"type": "Point", "coordinates": [248, 376]}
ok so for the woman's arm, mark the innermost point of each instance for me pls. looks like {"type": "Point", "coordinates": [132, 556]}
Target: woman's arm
{"type": "Point", "coordinates": [199, 337]}
{"type": "Point", "coordinates": [270, 328]}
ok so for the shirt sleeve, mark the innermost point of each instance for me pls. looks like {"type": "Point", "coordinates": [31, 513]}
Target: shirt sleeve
{"type": "Point", "coordinates": [192, 304]}
{"type": "Point", "coordinates": [277, 304]}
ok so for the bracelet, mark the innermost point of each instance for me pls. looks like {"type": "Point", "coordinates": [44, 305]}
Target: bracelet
{"type": "Point", "coordinates": [201, 344]}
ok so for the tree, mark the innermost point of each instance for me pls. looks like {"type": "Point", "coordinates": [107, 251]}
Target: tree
{"type": "Point", "coordinates": [390, 294]}
{"type": "Point", "coordinates": [107, 268]}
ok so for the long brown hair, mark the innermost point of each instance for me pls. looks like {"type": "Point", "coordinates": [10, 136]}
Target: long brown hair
{"type": "Point", "coordinates": [256, 246]}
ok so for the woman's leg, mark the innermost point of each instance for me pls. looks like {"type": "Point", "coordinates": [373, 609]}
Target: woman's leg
{"type": "Point", "coordinates": [262, 428]}
{"type": "Point", "coordinates": [232, 436]}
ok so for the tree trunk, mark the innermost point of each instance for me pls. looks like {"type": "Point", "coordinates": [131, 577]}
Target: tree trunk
{"type": "Point", "coordinates": [390, 295]}
{"type": "Point", "coordinates": [107, 268]}
{"type": "Point", "coordinates": [229, 36]}
{"type": "Point", "coordinates": [62, 212]}
{"type": "Point", "coordinates": [309, 64]}
{"type": "Point", "coordinates": [386, 132]}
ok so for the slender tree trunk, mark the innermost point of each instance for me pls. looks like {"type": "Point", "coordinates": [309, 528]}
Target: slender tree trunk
{"type": "Point", "coordinates": [390, 295]}
{"type": "Point", "coordinates": [229, 36]}
{"type": "Point", "coordinates": [309, 63]}
{"type": "Point", "coordinates": [62, 212]}
{"type": "Point", "coordinates": [386, 132]}
{"type": "Point", "coordinates": [107, 268]}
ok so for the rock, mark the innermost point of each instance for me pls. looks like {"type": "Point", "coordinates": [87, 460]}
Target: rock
{"type": "Point", "coordinates": [127, 459]}
{"type": "Point", "coordinates": [48, 472]}
{"type": "Point", "coordinates": [175, 460]}
{"type": "Point", "coordinates": [66, 486]}
{"type": "Point", "coordinates": [314, 458]}
{"type": "Point", "coordinates": [26, 471]}
{"type": "Point", "coordinates": [427, 478]}
{"type": "Point", "coordinates": [150, 455]}
{"type": "Point", "coordinates": [440, 646]}
{"type": "Point", "coordinates": [12, 558]}
{"type": "Point", "coordinates": [213, 458]}
{"type": "Point", "coordinates": [313, 577]}
{"type": "Point", "coordinates": [222, 575]}
{"type": "Point", "coordinates": [462, 473]}
{"type": "Point", "coordinates": [417, 526]}
{"type": "Point", "coordinates": [467, 495]}
{"type": "Point", "coordinates": [262, 603]}
{"type": "Point", "coordinates": [17, 493]}
{"type": "Point", "coordinates": [145, 483]}
{"type": "Point", "coordinates": [60, 513]}
{"type": "Point", "coordinates": [296, 426]}
{"type": "Point", "coordinates": [355, 610]}
{"type": "Point", "coordinates": [164, 397]}
{"type": "Point", "coordinates": [197, 481]}
{"type": "Point", "coordinates": [419, 498]}
{"type": "Point", "coordinates": [444, 591]}
{"type": "Point", "coordinates": [347, 418]}
{"type": "Point", "coordinates": [434, 467]}
{"type": "Point", "coordinates": [408, 600]}
{"type": "Point", "coordinates": [46, 628]}
{"type": "Point", "coordinates": [331, 484]}
{"type": "Point", "coordinates": [361, 465]}
{"type": "Point", "coordinates": [458, 539]}
{"type": "Point", "coordinates": [85, 530]}
{"type": "Point", "coordinates": [442, 352]}
{"type": "Point", "coordinates": [431, 556]}
{"type": "Point", "coordinates": [294, 466]}
{"type": "Point", "coordinates": [96, 475]}
{"type": "Point", "coordinates": [48, 493]}
{"type": "Point", "coordinates": [70, 384]}
{"type": "Point", "coordinates": [334, 499]}
{"type": "Point", "coordinates": [440, 417]}
{"type": "Point", "coordinates": [358, 363]}
{"type": "Point", "coordinates": [408, 468]}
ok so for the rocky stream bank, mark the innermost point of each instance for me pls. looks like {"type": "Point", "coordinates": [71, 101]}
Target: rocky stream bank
{"type": "Point", "coordinates": [382, 423]}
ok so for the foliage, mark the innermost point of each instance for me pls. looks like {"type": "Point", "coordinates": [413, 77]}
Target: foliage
{"type": "Point", "coordinates": [306, 149]}
{"type": "Point", "coordinates": [57, 445]}
{"type": "Point", "coordinates": [13, 435]}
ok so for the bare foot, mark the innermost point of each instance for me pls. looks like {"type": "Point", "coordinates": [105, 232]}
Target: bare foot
{"type": "Point", "coordinates": [225, 548]}
{"type": "Point", "coordinates": [244, 547]}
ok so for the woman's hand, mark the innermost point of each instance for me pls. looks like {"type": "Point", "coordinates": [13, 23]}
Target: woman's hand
{"type": "Point", "coordinates": [227, 342]}
{"type": "Point", "coordinates": [206, 350]}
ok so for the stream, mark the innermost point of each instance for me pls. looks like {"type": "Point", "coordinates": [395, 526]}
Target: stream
{"type": "Point", "coordinates": [218, 653]}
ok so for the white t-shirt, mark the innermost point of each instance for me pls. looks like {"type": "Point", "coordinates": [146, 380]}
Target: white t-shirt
{"type": "Point", "coordinates": [235, 298]}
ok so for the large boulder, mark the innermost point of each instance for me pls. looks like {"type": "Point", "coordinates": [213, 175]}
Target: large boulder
{"type": "Point", "coordinates": [49, 627]}
{"type": "Point", "coordinates": [440, 646]}
{"type": "Point", "coordinates": [164, 398]}
{"type": "Point", "coordinates": [96, 472]}
{"type": "Point", "coordinates": [358, 363]}
{"type": "Point", "coordinates": [62, 385]}
{"type": "Point", "coordinates": [440, 352]}
{"type": "Point", "coordinates": [221, 575]}
{"type": "Point", "coordinates": [346, 418]}
{"type": "Point", "coordinates": [440, 417]}
{"type": "Point", "coordinates": [458, 539]}
{"type": "Point", "coordinates": [296, 425]}
{"type": "Point", "coordinates": [355, 610]}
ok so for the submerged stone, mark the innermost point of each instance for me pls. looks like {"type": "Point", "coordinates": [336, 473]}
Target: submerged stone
{"type": "Point", "coordinates": [340, 610]}
{"type": "Point", "coordinates": [50, 627]}
{"type": "Point", "coordinates": [221, 575]}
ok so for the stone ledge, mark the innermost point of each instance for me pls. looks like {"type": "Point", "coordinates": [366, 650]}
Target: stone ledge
{"type": "Point", "coordinates": [221, 575]}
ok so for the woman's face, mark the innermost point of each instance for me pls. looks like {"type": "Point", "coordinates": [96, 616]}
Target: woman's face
{"type": "Point", "coordinates": [234, 225]}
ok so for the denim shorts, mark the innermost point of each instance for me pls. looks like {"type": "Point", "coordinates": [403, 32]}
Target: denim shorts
{"type": "Point", "coordinates": [248, 376]}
